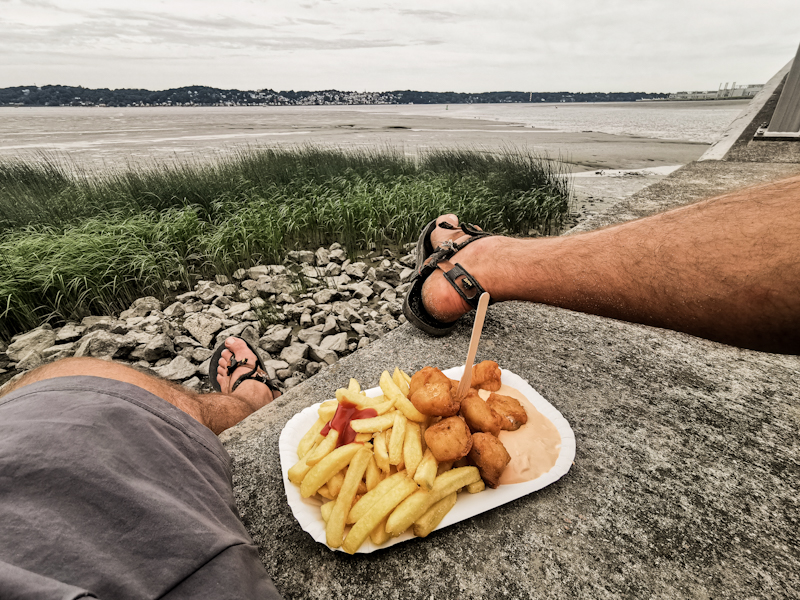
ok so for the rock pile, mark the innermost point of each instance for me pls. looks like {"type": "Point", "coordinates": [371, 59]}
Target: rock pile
{"type": "Point", "coordinates": [302, 315]}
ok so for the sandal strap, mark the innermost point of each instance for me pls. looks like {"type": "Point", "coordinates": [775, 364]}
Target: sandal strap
{"type": "Point", "coordinates": [254, 374]}
{"type": "Point", "coordinates": [449, 248]}
{"type": "Point", "coordinates": [464, 283]}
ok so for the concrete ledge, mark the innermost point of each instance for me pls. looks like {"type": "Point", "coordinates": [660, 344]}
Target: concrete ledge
{"type": "Point", "coordinates": [686, 481]}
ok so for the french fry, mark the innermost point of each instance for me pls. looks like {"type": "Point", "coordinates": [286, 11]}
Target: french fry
{"type": "Point", "coordinates": [327, 410]}
{"type": "Point", "coordinates": [417, 505]}
{"type": "Point", "coordinates": [326, 510]}
{"type": "Point", "coordinates": [299, 471]}
{"type": "Point", "coordinates": [361, 400]}
{"type": "Point", "coordinates": [386, 503]}
{"type": "Point", "coordinates": [354, 386]}
{"type": "Point", "coordinates": [379, 535]}
{"type": "Point", "coordinates": [412, 448]}
{"type": "Point", "coordinates": [381, 451]}
{"type": "Point", "coordinates": [406, 376]}
{"type": "Point", "coordinates": [400, 381]}
{"type": "Point", "coordinates": [383, 407]}
{"type": "Point", "coordinates": [397, 439]}
{"type": "Point", "coordinates": [326, 468]}
{"type": "Point", "coordinates": [323, 448]}
{"type": "Point", "coordinates": [373, 424]}
{"type": "Point", "coordinates": [478, 486]}
{"type": "Point", "coordinates": [307, 441]}
{"type": "Point", "coordinates": [363, 437]}
{"type": "Point", "coordinates": [373, 475]}
{"type": "Point", "coordinates": [335, 483]}
{"type": "Point", "coordinates": [361, 507]}
{"type": "Point", "coordinates": [392, 392]}
{"type": "Point", "coordinates": [334, 531]}
{"type": "Point", "coordinates": [426, 471]}
{"type": "Point", "coordinates": [323, 491]}
{"type": "Point", "coordinates": [434, 515]}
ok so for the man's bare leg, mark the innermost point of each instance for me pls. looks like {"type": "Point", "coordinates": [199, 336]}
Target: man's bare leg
{"type": "Point", "coordinates": [726, 269]}
{"type": "Point", "coordinates": [218, 412]}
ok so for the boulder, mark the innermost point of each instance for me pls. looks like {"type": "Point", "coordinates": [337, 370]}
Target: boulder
{"type": "Point", "coordinates": [103, 344]}
{"type": "Point", "coordinates": [322, 355]}
{"type": "Point", "coordinates": [177, 369]}
{"type": "Point", "coordinates": [324, 296]}
{"type": "Point", "coordinates": [141, 307]}
{"type": "Point", "coordinates": [202, 327]}
{"type": "Point", "coordinates": [70, 333]}
{"type": "Point", "coordinates": [276, 339]}
{"type": "Point", "coordinates": [294, 353]}
{"type": "Point", "coordinates": [35, 340]}
{"type": "Point", "coordinates": [110, 324]}
{"type": "Point", "coordinates": [337, 342]}
{"type": "Point", "coordinates": [207, 291]}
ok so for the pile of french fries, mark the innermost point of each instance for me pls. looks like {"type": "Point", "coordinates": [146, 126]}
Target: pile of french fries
{"type": "Point", "coordinates": [384, 482]}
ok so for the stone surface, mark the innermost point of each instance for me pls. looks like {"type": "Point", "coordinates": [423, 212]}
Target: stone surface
{"type": "Point", "coordinates": [202, 327]}
{"type": "Point", "coordinates": [178, 368]}
{"type": "Point", "coordinates": [35, 340]}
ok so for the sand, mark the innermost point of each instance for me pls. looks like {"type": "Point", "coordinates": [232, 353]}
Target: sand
{"type": "Point", "coordinates": [118, 137]}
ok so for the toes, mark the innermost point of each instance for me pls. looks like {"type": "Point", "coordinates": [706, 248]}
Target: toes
{"type": "Point", "coordinates": [440, 234]}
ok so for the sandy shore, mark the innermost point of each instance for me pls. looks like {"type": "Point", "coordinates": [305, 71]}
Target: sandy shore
{"type": "Point", "coordinates": [114, 137]}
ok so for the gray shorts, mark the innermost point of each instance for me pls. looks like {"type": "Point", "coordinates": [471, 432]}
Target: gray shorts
{"type": "Point", "coordinates": [109, 491]}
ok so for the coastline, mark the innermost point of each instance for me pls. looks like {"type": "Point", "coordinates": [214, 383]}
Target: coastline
{"type": "Point", "coordinates": [118, 138]}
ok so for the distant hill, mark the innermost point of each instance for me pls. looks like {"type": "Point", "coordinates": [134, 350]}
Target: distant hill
{"type": "Point", "coordinates": [198, 95]}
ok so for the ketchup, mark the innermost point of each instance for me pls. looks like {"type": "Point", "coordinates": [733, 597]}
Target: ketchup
{"type": "Point", "coordinates": [345, 413]}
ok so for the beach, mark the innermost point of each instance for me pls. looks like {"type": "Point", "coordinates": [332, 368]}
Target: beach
{"type": "Point", "coordinates": [104, 137]}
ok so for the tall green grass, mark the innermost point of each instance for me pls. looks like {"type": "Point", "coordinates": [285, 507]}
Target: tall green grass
{"type": "Point", "coordinates": [77, 243]}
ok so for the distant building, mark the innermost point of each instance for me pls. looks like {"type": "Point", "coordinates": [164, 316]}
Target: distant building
{"type": "Point", "coordinates": [723, 93]}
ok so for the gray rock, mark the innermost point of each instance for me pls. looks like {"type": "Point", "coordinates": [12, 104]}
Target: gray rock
{"type": "Point", "coordinates": [357, 270]}
{"type": "Point", "coordinates": [103, 344]}
{"type": "Point", "coordinates": [373, 329]}
{"type": "Point", "coordinates": [279, 284]}
{"type": "Point", "coordinates": [30, 361]}
{"type": "Point", "coordinates": [325, 296]}
{"type": "Point", "coordinates": [239, 274]}
{"type": "Point", "coordinates": [305, 318]}
{"type": "Point", "coordinates": [207, 291]}
{"type": "Point", "coordinates": [406, 274]}
{"type": "Point", "coordinates": [59, 351]}
{"type": "Point", "coordinates": [293, 381]}
{"type": "Point", "coordinates": [312, 369]}
{"type": "Point", "coordinates": [332, 269]}
{"type": "Point", "coordinates": [70, 333]}
{"type": "Point", "coordinates": [141, 307]}
{"type": "Point", "coordinates": [35, 340]}
{"type": "Point", "coordinates": [312, 335]}
{"type": "Point", "coordinates": [409, 260]}
{"type": "Point", "coordinates": [186, 297]}
{"type": "Point", "coordinates": [330, 326]}
{"type": "Point", "coordinates": [301, 256]}
{"type": "Point", "coordinates": [276, 365]}
{"type": "Point", "coordinates": [159, 347]}
{"type": "Point", "coordinates": [175, 309]}
{"type": "Point", "coordinates": [110, 324]}
{"type": "Point", "coordinates": [337, 255]}
{"type": "Point", "coordinates": [276, 339]}
{"type": "Point", "coordinates": [229, 289]}
{"type": "Point", "coordinates": [193, 306]}
{"type": "Point", "coordinates": [237, 308]}
{"type": "Point", "coordinates": [294, 353]}
{"type": "Point", "coordinates": [322, 257]}
{"type": "Point", "coordinates": [256, 303]}
{"type": "Point", "coordinates": [389, 295]}
{"type": "Point", "coordinates": [202, 327]}
{"type": "Point", "coordinates": [322, 355]}
{"type": "Point", "coordinates": [258, 271]}
{"type": "Point", "coordinates": [337, 342]}
{"type": "Point", "coordinates": [182, 341]}
{"type": "Point", "coordinates": [363, 342]}
{"type": "Point", "coordinates": [177, 369]}
{"type": "Point", "coordinates": [223, 302]}
{"type": "Point", "coordinates": [200, 355]}
{"type": "Point", "coordinates": [221, 279]}
{"type": "Point", "coordinates": [194, 384]}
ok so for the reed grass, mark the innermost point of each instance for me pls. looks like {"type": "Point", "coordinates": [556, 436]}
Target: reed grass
{"type": "Point", "coordinates": [76, 243]}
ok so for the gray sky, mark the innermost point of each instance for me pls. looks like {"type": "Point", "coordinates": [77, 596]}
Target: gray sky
{"type": "Point", "coordinates": [459, 45]}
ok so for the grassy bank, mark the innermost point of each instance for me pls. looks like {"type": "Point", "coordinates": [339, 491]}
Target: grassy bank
{"type": "Point", "coordinates": [78, 243]}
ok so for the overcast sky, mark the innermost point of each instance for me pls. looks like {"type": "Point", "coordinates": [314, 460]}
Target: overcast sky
{"type": "Point", "coordinates": [378, 45]}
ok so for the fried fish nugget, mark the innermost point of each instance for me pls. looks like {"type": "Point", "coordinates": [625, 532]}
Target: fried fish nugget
{"type": "Point", "coordinates": [430, 393]}
{"type": "Point", "coordinates": [449, 439]}
{"type": "Point", "coordinates": [486, 376]}
{"type": "Point", "coordinates": [490, 456]}
{"type": "Point", "coordinates": [512, 414]}
{"type": "Point", "coordinates": [479, 416]}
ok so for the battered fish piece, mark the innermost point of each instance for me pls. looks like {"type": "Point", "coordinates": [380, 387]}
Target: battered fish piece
{"type": "Point", "coordinates": [449, 439]}
{"type": "Point", "coordinates": [490, 456]}
{"type": "Point", "coordinates": [512, 414]}
{"type": "Point", "coordinates": [486, 376]}
{"type": "Point", "coordinates": [479, 415]}
{"type": "Point", "coordinates": [429, 392]}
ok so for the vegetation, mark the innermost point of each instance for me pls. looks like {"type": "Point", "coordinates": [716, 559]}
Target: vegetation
{"type": "Point", "coordinates": [199, 95]}
{"type": "Point", "coordinates": [75, 243]}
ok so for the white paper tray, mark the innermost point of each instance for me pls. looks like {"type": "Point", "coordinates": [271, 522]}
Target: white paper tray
{"type": "Point", "coordinates": [306, 510]}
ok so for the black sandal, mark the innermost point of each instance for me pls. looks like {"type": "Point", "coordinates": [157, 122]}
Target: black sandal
{"type": "Point", "coordinates": [257, 373]}
{"type": "Point", "coordinates": [430, 259]}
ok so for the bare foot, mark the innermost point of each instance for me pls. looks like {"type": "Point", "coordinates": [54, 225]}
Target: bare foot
{"type": "Point", "coordinates": [254, 393]}
{"type": "Point", "coordinates": [440, 299]}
